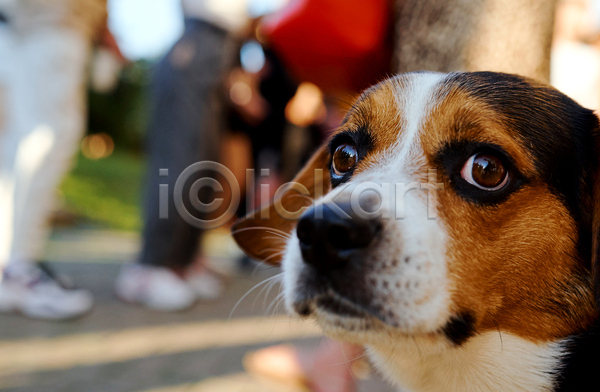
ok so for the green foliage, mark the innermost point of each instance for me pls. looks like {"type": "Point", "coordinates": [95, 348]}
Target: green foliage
{"type": "Point", "coordinates": [106, 191]}
{"type": "Point", "coordinates": [123, 112]}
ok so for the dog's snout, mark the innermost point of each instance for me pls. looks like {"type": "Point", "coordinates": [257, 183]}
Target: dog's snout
{"type": "Point", "coordinates": [330, 239]}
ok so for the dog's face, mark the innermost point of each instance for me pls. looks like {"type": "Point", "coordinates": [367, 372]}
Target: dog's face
{"type": "Point", "coordinates": [452, 205]}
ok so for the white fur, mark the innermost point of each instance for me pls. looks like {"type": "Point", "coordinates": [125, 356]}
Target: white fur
{"type": "Point", "coordinates": [490, 362]}
{"type": "Point", "coordinates": [414, 103]}
{"type": "Point", "coordinates": [292, 266]}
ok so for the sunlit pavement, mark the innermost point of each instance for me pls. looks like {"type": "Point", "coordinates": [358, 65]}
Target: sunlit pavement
{"type": "Point", "coordinates": [119, 347]}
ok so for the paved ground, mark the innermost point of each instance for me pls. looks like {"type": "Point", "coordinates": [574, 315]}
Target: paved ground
{"type": "Point", "coordinates": [122, 348]}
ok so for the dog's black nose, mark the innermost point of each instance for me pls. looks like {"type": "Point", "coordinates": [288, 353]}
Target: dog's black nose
{"type": "Point", "coordinates": [329, 239]}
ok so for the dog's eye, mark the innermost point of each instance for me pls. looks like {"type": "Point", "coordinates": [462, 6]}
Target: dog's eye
{"type": "Point", "coordinates": [485, 171]}
{"type": "Point", "coordinates": [344, 159]}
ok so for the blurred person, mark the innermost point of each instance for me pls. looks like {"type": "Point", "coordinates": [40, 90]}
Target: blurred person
{"type": "Point", "coordinates": [45, 46]}
{"type": "Point", "coordinates": [171, 272]}
{"type": "Point", "coordinates": [258, 99]}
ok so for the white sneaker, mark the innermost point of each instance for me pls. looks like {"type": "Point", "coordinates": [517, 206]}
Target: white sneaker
{"type": "Point", "coordinates": [33, 292]}
{"type": "Point", "coordinates": [156, 288]}
{"type": "Point", "coordinates": [205, 284]}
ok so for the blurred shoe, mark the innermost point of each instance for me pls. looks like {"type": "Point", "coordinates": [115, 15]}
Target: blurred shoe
{"type": "Point", "coordinates": [33, 291]}
{"type": "Point", "coordinates": [156, 288]}
{"type": "Point", "coordinates": [205, 284]}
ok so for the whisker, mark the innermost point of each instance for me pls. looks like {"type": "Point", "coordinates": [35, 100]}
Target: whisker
{"type": "Point", "coordinates": [309, 198]}
{"type": "Point", "coordinates": [349, 366]}
{"type": "Point", "coordinates": [271, 230]}
{"type": "Point", "coordinates": [347, 362]}
{"type": "Point", "coordinates": [499, 334]}
{"type": "Point", "coordinates": [281, 253]}
{"type": "Point", "coordinates": [248, 293]}
{"type": "Point", "coordinates": [264, 263]}
{"type": "Point", "coordinates": [271, 250]}
{"type": "Point", "coordinates": [363, 355]}
{"type": "Point", "coordinates": [276, 239]}
{"type": "Point", "coordinates": [270, 285]}
{"type": "Point", "coordinates": [273, 307]}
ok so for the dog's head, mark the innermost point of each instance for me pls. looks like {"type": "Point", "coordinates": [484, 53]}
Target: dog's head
{"type": "Point", "coordinates": [444, 206]}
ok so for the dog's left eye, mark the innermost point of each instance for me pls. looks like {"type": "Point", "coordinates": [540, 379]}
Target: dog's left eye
{"type": "Point", "coordinates": [485, 171]}
{"type": "Point", "coordinates": [344, 159]}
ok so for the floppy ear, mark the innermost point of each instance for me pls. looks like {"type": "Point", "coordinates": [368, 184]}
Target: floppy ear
{"type": "Point", "coordinates": [596, 241]}
{"type": "Point", "coordinates": [596, 217]}
{"type": "Point", "coordinates": [594, 125]}
{"type": "Point", "coordinates": [263, 233]}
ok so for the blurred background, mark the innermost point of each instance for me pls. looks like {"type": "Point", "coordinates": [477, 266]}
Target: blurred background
{"type": "Point", "coordinates": [246, 67]}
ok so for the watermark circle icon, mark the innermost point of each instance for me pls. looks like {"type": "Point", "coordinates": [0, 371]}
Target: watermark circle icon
{"type": "Point", "coordinates": [207, 181]}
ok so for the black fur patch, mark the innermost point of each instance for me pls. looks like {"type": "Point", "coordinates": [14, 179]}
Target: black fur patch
{"type": "Point", "coordinates": [579, 368]}
{"type": "Point", "coordinates": [460, 328]}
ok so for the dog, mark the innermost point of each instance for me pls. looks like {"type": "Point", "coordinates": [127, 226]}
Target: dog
{"type": "Point", "coordinates": [482, 273]}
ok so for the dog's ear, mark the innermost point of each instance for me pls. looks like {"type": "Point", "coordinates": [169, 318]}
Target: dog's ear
{"type": "Point", "coordinates": [596, 240]}
{"type": "Point", "coordinates": [263, 233]}
{"type": "Point", "coordinates": [594, 125]}
{"type": "Point", "coordinates": [596, 215]}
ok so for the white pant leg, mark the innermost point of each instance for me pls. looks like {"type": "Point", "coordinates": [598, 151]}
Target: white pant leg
{"type": "Point", "coordinates": [7, 44]}
{"type": "Point", "coordinates": [43, 80]}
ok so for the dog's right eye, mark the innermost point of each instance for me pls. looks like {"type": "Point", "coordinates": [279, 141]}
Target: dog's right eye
{"type": "Point", "coordinates": [344, 159]}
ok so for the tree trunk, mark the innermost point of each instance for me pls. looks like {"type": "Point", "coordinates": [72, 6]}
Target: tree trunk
{"type": "Point", "coordinates": [512, 36]}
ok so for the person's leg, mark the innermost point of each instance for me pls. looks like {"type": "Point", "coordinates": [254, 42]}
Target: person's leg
{"type": "Point", "coordinates": [50, 101]}
{"type": "Point", "coordinates": [181, 132]}
{"type": "Point", "coordinates": [8, 138]}
{"type": "Point", "coordinates": [44, 87]}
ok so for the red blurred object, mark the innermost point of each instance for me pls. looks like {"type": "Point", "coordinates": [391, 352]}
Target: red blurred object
{"type": "Point", "coordinates": [108, 41]}
{"type": "Point", "coordinates": [339, 45]}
